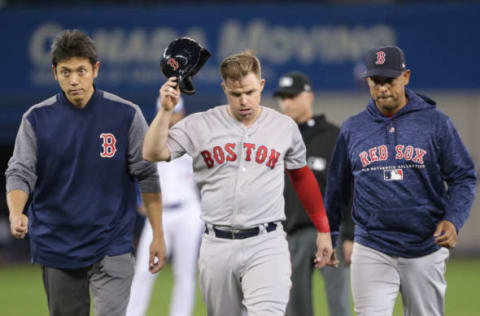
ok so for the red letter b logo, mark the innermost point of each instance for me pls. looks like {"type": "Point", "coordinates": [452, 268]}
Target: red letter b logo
{"type": "Point", "coordinates": [380, 58]}
{"type": "Point", "coordinates": [109, 148]}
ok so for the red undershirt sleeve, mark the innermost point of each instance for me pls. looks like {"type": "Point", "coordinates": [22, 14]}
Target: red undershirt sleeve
{"type": "Point", "coordinates": [308, 191]}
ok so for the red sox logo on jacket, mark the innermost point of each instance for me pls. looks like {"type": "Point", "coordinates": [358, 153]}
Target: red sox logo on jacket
{"type": "Point", "coordinates": [260, 155]}
{"type": "Point", "coordinates": [380, 153]}
{"type": "Point", "coordinates": [108, 144]}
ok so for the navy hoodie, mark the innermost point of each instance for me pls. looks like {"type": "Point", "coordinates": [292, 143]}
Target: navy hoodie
{"type": "Point", "coordinates": [407, 173]}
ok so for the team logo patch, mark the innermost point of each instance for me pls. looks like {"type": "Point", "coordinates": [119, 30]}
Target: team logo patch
{"type": "Point", "coordinates": [109, 145]}
{"type": "Point", "coordinates": [173, 63]}
{"type": "Point", "coordinates": [380, 58]}
{"type": "Point", "coordinates": [393, 175]}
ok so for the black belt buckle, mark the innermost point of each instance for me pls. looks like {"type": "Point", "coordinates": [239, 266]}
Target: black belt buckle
{"type": "Point", "coordinates": [237, 234]}
{"type": "Point", "coordinates": [271, 227]}
{"type": "Point", "coordinates": [242, 234]}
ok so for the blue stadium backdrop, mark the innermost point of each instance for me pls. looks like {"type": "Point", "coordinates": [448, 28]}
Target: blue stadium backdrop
{"type": "Point", "coordinates": [326, 42]}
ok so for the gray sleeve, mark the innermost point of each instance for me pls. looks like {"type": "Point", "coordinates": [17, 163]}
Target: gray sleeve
{"type": "Point", "coordinates": [296, 154]}
{"type": "Point", "coordinates": [179, 141]}
{"type": "Point", "coordinates": [145, 172]}
{"type": "Point", "coordinates": [21, 173]}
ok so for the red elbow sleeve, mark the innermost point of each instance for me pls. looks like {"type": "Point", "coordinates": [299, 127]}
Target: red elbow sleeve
{"type": "Point", "coordinates": [308, 192]}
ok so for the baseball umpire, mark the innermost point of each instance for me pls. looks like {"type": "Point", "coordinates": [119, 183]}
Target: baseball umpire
{"type": "Point", "coordinates": [240, 151]}
{"type": "Point", "coordinates": [295, 98]}
{"type": "Point", "coordinates": [414, 184]}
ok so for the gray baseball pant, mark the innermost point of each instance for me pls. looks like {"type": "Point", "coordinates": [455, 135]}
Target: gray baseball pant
{"type": "Point", "coordinates": [108, 281]}
{"type": "Point", "coordinates": [377, 278]}
{"type": "Point", "coordinates": [251, 274]}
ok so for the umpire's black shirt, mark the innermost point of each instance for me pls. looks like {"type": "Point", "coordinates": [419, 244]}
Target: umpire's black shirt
{"type": "Point", "coordinates": [320, 137]}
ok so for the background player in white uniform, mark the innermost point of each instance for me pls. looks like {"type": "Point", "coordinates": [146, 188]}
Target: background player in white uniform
{"type": "Point", "coordinates": [182, 228]}
{"type": "Point", "coordinates": [240, 151]}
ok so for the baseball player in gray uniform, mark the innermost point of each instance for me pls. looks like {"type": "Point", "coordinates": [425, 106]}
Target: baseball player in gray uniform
{"type": "Point", "coordinates": [240, 151]}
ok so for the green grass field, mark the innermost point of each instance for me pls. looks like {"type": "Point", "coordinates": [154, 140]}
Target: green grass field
{"type": "Point", "coordinates": [21, 291]}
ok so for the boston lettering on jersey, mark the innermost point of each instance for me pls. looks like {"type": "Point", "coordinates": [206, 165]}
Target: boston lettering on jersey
{"type": "Point", "coordinates": [380, 153]}
{"type": "Point", "coordinates": [260, 154]}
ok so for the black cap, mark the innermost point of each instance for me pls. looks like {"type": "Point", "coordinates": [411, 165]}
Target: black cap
{"type": "Point", "coordinates": [385, 61]}
{"type": "Point", "coordinates": [292, 84]}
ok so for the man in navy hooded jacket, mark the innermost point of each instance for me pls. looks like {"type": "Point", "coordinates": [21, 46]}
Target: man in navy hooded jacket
{"type": "Point", "coordinates": [413, 183]}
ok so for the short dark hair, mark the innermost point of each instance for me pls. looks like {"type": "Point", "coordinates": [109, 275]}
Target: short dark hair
{"type": "Point", "coordinates": [73, 43]}
{"type": "Point", "coordinates": [240, 65]}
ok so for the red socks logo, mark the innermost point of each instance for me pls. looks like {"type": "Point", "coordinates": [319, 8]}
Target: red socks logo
{"type": "Point", "coordinates": [380, 58]}
{"type": "Point", "coordinates": [109, 145]}
{"type": "Point", "coordinates": [173, 63]}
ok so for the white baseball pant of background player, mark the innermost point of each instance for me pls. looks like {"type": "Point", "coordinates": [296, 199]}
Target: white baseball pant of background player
{"type": "Point", "coordinates": [182, 231]}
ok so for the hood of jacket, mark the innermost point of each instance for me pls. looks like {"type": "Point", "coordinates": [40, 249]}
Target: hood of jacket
{"type": "Point", "coordinates": [416, 102]}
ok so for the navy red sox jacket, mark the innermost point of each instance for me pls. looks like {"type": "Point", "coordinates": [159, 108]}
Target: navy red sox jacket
{"type": "Point", "coordinates": [407, 174]}
{"type": "Point", "coordinates": [80, 165]}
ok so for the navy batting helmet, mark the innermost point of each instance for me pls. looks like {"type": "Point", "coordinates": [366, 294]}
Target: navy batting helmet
{"type": "Point", "coordinates": [183, 58]}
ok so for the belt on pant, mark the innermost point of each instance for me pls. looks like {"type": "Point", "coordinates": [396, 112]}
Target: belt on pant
{"type": "Point", "coordinates": [241, 233]}
{"type": "Point", "coordinates": [171, 206]}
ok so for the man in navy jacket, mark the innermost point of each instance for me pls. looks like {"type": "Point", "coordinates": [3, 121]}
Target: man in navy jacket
{"type": "Point", "coordinates": [78, 155]}
{"type": "Point", "coordinates": [413, 183]}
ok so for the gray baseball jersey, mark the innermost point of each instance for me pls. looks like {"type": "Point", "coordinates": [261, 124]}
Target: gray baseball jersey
{"type": "Point", "coordinates": [239, 171]}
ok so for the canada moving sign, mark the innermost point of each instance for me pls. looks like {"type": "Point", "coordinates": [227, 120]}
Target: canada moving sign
{"type": "Point", "coordinates": [130, 56]}
{"type": "Point", "coordinates": [326, 42]}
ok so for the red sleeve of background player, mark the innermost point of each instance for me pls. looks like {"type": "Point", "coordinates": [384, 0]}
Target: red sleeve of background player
{"type": "Point", "coordinates": [308, 192]}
